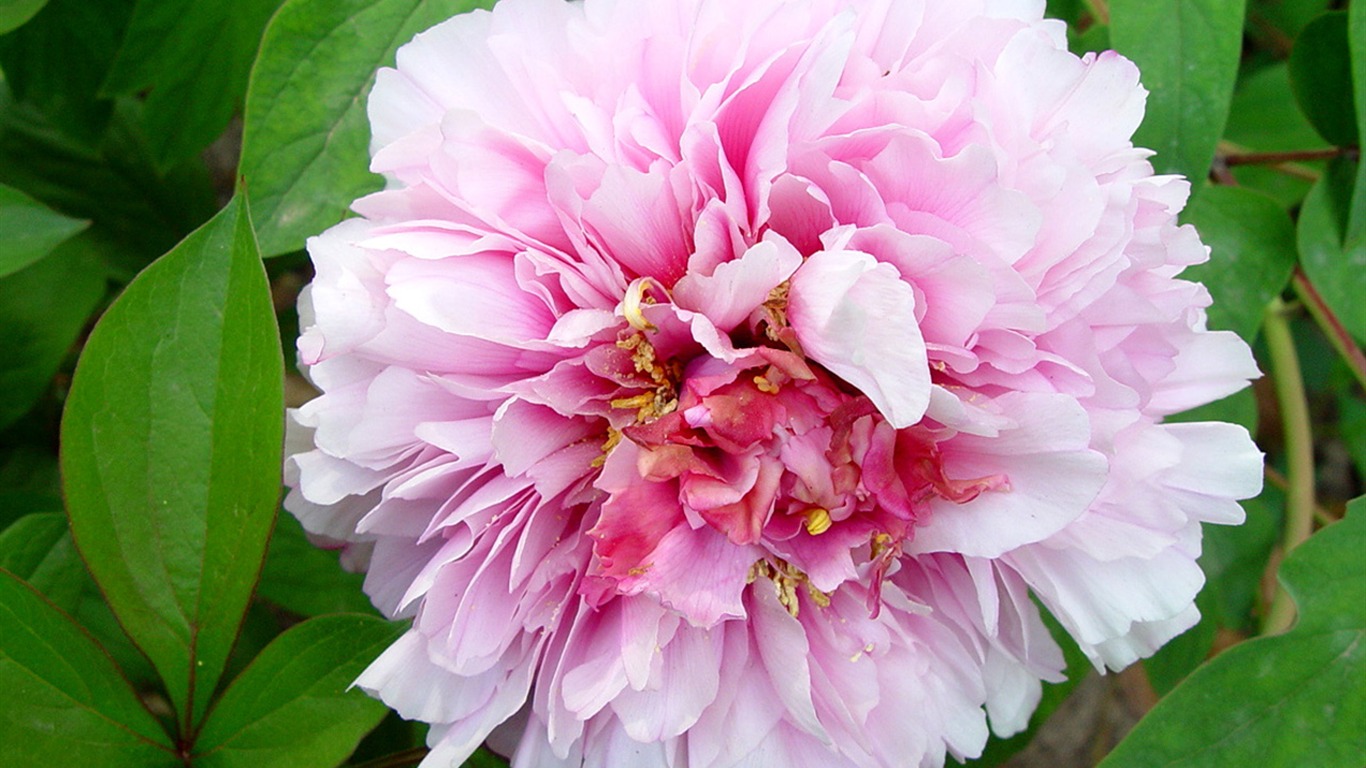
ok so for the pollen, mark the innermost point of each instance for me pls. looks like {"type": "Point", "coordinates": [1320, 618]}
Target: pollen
{"type": "Point", "coordinates": [765, 385]}
{"type": "Point", "coordinates": [662, 399]}
{"type": "Point", "coordinates": [788, 581]}
{"type": "Point", "coordinates": [613, 438]}
{"type": "Point", "coordinates": [817, 520]}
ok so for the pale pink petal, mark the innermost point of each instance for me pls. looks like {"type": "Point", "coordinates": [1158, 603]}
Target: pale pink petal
{"type": "Point", "coordinates": [857, 318]}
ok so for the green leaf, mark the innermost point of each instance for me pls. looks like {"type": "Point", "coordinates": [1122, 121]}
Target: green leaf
{"type": "Point", "coordinates": [1295, 699]}
{"type": "Point", "coordinates": [1068, 10]}
{"type": "Point", "coordinates": [65, 702]}
{"type": "Point", "coordinates": [1334, 264]}
{"type": "Point", "coordinates": [1238, 408]}
{"type": "Point", "coordinates": [292, 707]}
{"type": "Point", "coordinates": [29, 230]}
{"type": "Point", "coordinates": [57, 60]}
{"type": "Point", "coordinates": [305, 140]}
{"type": "Point", "coordinates": [1264, 118]}
{"type": "Point", "coordinates": [1321, 78]}
{"type": "Point", "coordinates": [38, 549]}
{"type": "Point", "coordinates": [1284, 18]}
{"type": "Point", "coordinates": [191, 57]}
{"type": "Point", "coordinates": [308, 580]}
{"type": "Point", "coordinates": [43, 310]}
{"type": "Point", "coordinates": [1252, 254]}
{"type": "Point", "coordinates": [14, 13]}
{"type": "Point", "coordinates": [484, 758]}
{"type": "Point", "coordinates": [1352, 427]}
{"type": "Point", "coordinates": [137, 213]}
{"type": "Point", "coordinates": [171, 452]}
{"type": "Point", "coordinates": [1188, 53]}
{"type": "Point", "coordinates": [1096, 38]}
{"type": "Point", "coordinates": [1356, 33]}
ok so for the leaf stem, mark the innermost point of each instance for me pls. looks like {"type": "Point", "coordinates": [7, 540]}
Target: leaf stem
{"type": "Point", "coordinates": [1331, 326]}
{"type": "Point", "coordinates": [1299, 449]}
{"type": "Point", "coordinates": [1276, 158]}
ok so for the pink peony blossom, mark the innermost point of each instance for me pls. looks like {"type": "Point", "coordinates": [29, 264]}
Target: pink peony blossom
{"type": "Point", "coordinates": [714, 383]}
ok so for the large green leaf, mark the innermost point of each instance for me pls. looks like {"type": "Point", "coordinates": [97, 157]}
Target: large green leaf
{"type": "Point", "coordinates": [171, 446]}
{"type": "Point", "coordinates": [1252, 254]}
{"type": "Point", "coordinates": [43, 310]}
{"type": "Point", "coordinates": [1295, 699]}
{"type": "Point", "coordinates": [29, 230]}
{"type": "Point", "coordinates": [1321, 77]}
{"type": "Point", "coordinates": [305, 142]}
{"type": "Point", "coordinates": [1334, 262]}
{"type": "Point", "coordinates": [1264, 118]}
{"type": "Point", "coordinates": [13, 13]}
{"type": "Point", "coordinates": [1283, 18]}
{"type": "Point", "coordinates": [191, 58]}
{"type": "Point", "coordinates": [1188, 53]}
{"type": "Point", "coordinates": [292, 708]}
{"type": "Point", "coordinates": [38, 549]}
{"type": "Point", "coordinates": [64, 702]}
{"type": "Point", "coordinates": [57, 60]}
{"type": "Point", "coordinates": [308, 580]}
{"type": "Point", "coordinates": [1356, 36]}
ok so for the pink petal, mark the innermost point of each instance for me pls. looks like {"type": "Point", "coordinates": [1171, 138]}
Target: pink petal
{"type": "Point", "coordinates": [856, 317]}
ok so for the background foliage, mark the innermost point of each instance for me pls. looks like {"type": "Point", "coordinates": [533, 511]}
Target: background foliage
{"type": "Point", "coordinates": [155, 610]}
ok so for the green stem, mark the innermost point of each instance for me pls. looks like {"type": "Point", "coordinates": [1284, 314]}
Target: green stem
{"type": "Point", "coordinates": [1337, 333]}
{"type": "Point", "coordinates": [1299, 449]}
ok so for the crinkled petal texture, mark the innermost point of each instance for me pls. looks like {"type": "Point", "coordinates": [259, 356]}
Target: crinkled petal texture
{"type": "Point", "coordinates": [717, 384]}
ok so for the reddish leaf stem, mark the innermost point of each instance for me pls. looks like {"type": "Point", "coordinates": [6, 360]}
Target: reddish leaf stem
{"type": "Point", "coordinates": [1276, 158]}
{"type": "Point", "coordinates": [1331, 326]}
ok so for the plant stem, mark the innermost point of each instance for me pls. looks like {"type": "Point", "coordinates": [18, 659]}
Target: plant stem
{"type": "Point", "coordinates": [1322, 515]}
{"type": "Point", "coordinates": [1276, 158]}
{"type": "Point", "coordinates": [1331, 326]}
{"type": "Point", "coordinates": [1299, 449]}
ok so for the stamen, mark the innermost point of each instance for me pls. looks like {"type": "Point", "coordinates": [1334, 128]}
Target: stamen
{"type": "Point", "coordinates": [786, 579]}
{"type": "Point", "coordinates": [817, 520]}
{"type": "Point", "coordinates": [664, 399]}
{"type": "Point", "coordinates": [638, 295]}
{"type": "Point", "coordinates": [613, 437]}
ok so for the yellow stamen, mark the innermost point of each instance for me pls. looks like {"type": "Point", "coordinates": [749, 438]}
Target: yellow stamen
{"type": "Point", "coordinates": [817, 520]}
{"type": "Point", "coordinates": [613, 438]}
{"type": "Point", "coordinates": [632, 306]}
{"type": "Point", "coordinates": [786, 579]}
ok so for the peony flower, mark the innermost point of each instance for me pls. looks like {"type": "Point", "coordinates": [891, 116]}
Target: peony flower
{"type": "Point", "coordinates": [714, 383]}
